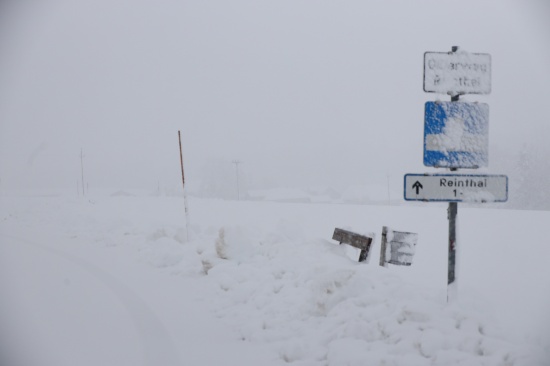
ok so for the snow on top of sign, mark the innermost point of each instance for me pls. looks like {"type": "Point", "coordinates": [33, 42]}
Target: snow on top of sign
{"type": "Point", "coordinates": [359, 231]}
{"type": "Point", "coordinates": [456, 137]}
{"type": "Point", "coordinates": [459, 138]}
{"type": "Point", "coordinates": [401, 246]}
{"type": "Point", "coordinates": [478, 196]}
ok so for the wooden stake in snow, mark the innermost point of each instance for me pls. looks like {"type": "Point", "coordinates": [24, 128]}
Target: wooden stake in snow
{"type": "Point", "coordinates": [184, 193]}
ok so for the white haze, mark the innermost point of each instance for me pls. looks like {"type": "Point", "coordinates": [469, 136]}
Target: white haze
{"type": "Point", "coordinates": [304, 93]}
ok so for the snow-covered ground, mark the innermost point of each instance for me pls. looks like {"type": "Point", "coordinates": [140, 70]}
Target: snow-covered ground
{"type": "Point", "coordinates": [114, 281]}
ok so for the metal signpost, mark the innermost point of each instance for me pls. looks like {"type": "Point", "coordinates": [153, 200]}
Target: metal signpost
{"type": "Point", "coordinates": [456, 136]}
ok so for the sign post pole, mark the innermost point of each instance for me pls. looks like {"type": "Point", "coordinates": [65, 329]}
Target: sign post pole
{"type": "Point", "coordinates": [451, 275]}
{"type": "Point", "coordinates": [456, 136]}
{"type": "Point", "coordinates": [452, 213]}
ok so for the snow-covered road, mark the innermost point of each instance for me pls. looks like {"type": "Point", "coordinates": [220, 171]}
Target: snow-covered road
{"type": "Point", "coordinates": [84, 306]}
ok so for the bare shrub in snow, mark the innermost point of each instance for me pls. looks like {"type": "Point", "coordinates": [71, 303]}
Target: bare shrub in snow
{"type": "Point", "coordinates": [206, 266]}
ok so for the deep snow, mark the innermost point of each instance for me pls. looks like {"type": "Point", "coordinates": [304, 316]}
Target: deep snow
{"type": "Point", "coordinates": [112, 281]}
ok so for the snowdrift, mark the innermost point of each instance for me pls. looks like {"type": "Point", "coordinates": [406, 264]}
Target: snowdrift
{"type": "Point", "coordinates": [268, 275]}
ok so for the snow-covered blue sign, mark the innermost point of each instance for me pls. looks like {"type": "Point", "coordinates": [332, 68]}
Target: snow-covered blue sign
{"type": "Point", "coordinates": [456, 135]}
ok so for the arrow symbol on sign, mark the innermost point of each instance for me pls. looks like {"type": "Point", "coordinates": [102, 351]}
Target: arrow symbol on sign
{"type": "Point", "coordinates": [417, 186]}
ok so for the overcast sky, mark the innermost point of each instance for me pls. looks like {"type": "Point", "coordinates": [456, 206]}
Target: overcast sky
{"type": "Point", "coordinates": [304, 92]}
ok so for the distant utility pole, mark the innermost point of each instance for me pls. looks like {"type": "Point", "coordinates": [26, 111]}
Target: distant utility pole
{"type": "Point", "coordinates": [389, 197]}
{"type": "Point", "coordinates": [82, 169]}
{"type": "Point", "coordinates": [237, 162]}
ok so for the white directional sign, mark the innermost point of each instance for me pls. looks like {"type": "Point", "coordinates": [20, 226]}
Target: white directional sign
{"type": "Point", "coordinates": [457, 73]}
{"type": "Point", "coordinates": [456, 187]}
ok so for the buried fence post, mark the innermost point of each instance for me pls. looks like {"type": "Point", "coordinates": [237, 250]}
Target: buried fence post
{"type": "Point", "coordinates": [383, 247]}
{"type": "Point", "coordinates": [363, 255]}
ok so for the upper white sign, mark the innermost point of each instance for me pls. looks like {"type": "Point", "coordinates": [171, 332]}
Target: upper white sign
{"type": "Point", "coordinates": [457, 73]}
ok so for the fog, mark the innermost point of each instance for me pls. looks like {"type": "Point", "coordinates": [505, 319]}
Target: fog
{"type": "Point", "coordinates": [303, 93]}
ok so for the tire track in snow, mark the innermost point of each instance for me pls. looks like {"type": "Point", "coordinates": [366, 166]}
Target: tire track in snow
{"type": "Point", "coordinates": [157, 345]}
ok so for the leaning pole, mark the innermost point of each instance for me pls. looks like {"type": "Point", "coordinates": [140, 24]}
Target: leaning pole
{"type": "Point", "coordinates": [184, 193]}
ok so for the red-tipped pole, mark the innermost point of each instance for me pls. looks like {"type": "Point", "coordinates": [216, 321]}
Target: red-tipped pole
{"type": "Point", "coordinates": [184, 193]}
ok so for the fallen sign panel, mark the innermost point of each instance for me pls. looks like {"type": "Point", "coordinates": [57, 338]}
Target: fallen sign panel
{"type": "Point", "coordinates": [456, 187]}
{"type": "Point", "coordinates": [355, 240]}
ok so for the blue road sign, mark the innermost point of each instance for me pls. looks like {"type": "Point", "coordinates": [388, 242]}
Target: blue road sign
{"type": "Point", "coordinates": [456, 135]}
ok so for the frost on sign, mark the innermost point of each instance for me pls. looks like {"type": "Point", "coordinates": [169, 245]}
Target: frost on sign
{"type": "Point", "coordinates": [456, 135]}
{"type": "Point", "coordinates": [456, 187]}
{"type": "Point", "coordinates": [398, 247]}
{"type": "Point", "coordinates": [457, 73]}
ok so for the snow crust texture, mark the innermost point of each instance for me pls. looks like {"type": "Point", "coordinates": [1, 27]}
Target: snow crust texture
{"type": "Point", "coordinates": [268, 276]}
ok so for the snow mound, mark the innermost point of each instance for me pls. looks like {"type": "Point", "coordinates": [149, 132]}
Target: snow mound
{"type": "Point", "coordinates": [314, 305]}
{"type": "Point", "coordinates": [269, 273]}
